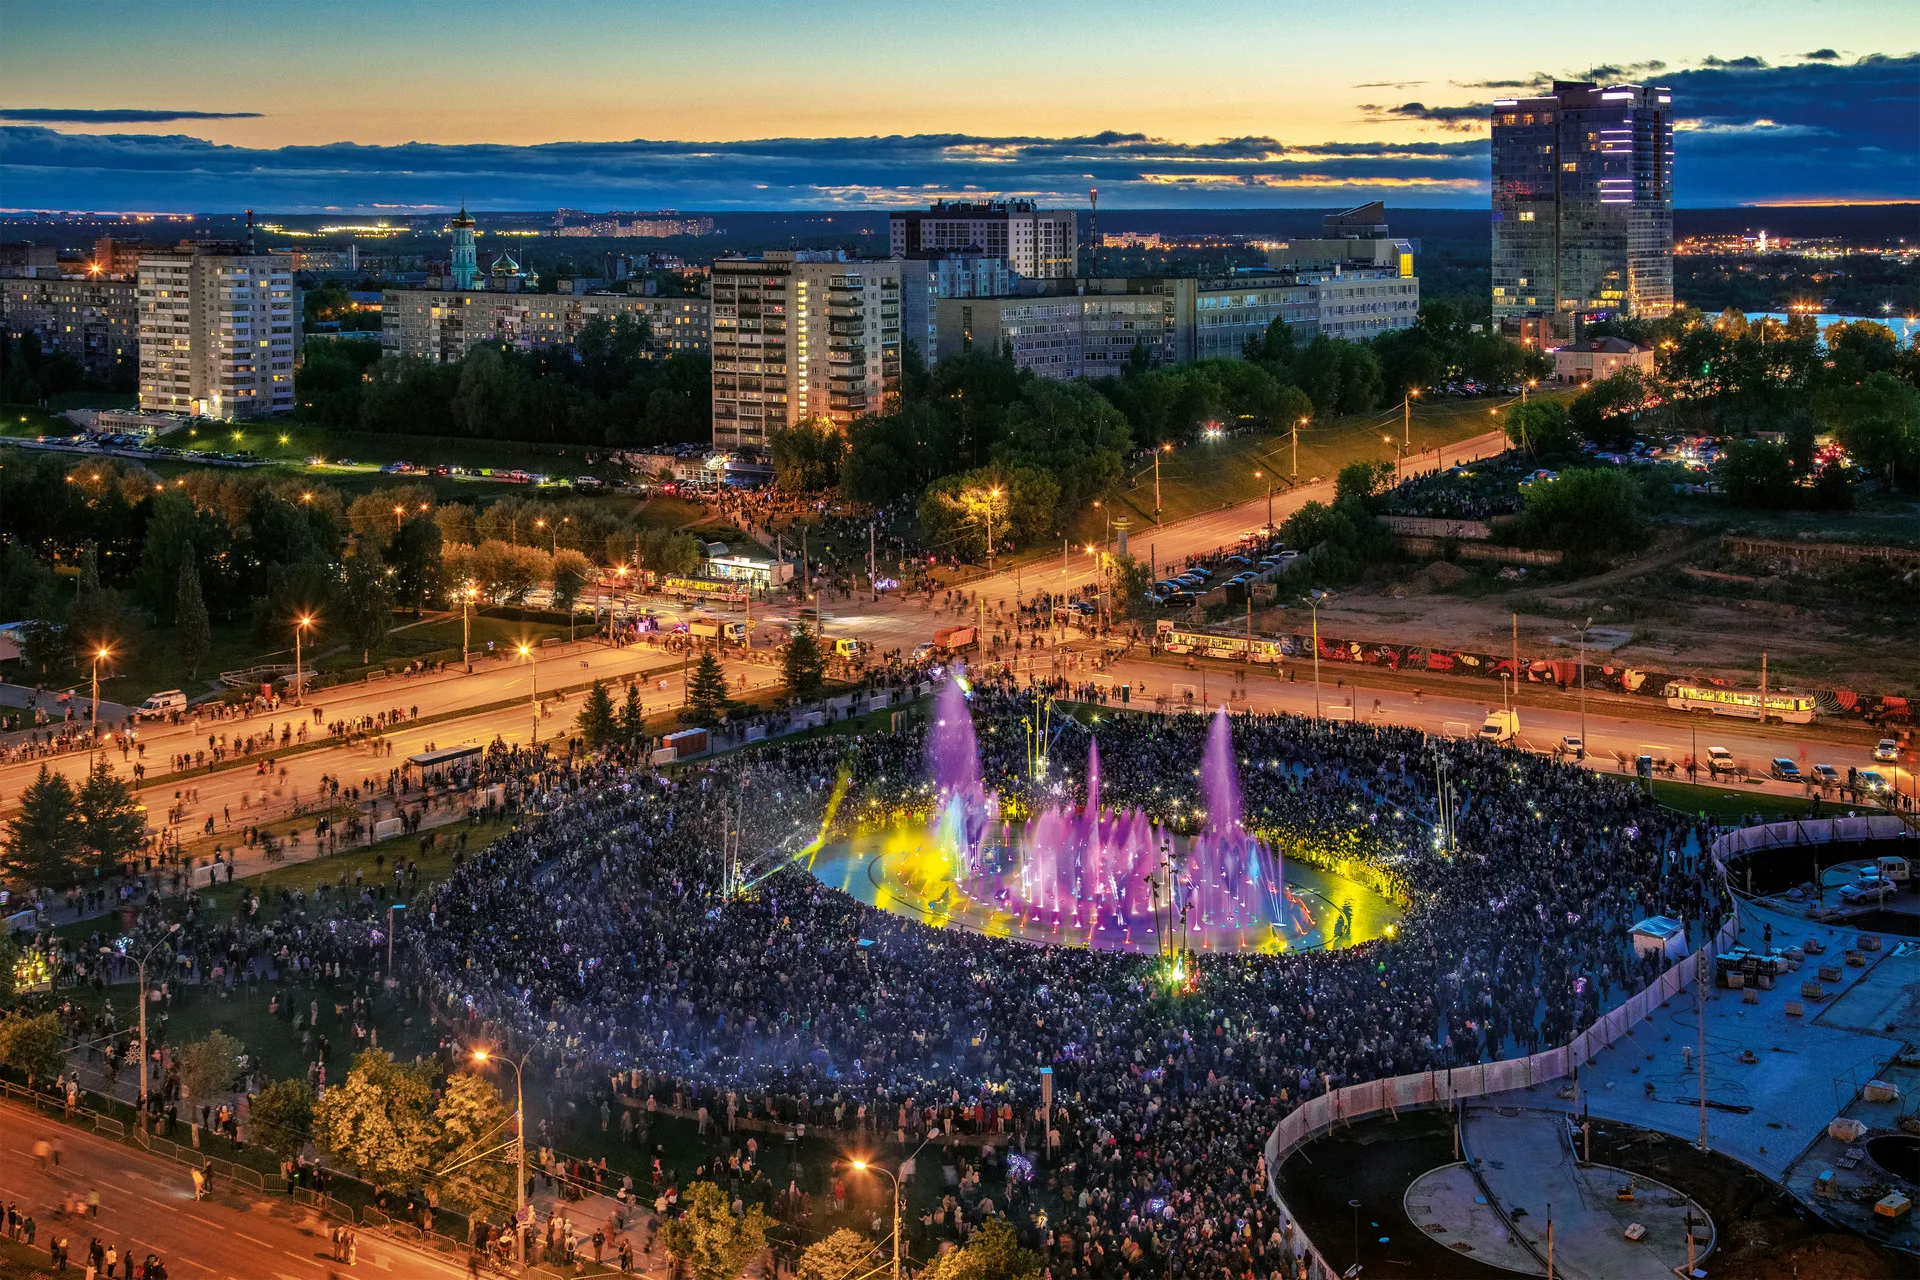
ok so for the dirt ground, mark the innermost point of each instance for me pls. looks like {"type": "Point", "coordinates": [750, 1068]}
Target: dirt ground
{"type": "Point", "coordinates": [1764, 1233]}
{"type": "Point", "coordinates": [1688, 605]}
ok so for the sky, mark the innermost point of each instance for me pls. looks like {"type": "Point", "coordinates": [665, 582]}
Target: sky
{"type": "Point", "coordinates": [189, 106]}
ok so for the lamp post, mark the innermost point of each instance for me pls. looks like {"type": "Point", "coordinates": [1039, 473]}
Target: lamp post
{"type": "Point", "coordinates": [391, 908]}
{"type": "Point", "coordinates": [99, 653]}
{"type": "Point", "coordinates": [466, 626]}
{"type": "Point", "coordinates": [1296, 449]}
{"type": "Point", "coordinates": [142, 963]}
{"type": "Point", "coordinates": [300, 626]}
{"type": "Point", "coordinates": [1313, 602]}
{"type": "Point", "coordinates": [1259, 475]}
{"type": "Point", "coordinates": [1581, 631]}
{"type": "Point", "coordinates": [533, 688]}
{"type": "Point", "coordinates": [992, 496]}
{"type": "Point", "coordinates": [520, 1133]}
{"type": "Point", "coordinates": [865, 1166]}
{"type": "Point", "coordinates": [1406, 414]}
{"type": "Point", "coordinates": [1165, 448]}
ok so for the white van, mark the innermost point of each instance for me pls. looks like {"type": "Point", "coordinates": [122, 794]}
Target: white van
{"type": "Point", "coordinates": [1892, 868]}
{"type": "Point", "coordinates": [164, 703]}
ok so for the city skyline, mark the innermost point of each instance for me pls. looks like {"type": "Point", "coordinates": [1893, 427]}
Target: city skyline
{"type": "Point", "coordinates": [362, 107]}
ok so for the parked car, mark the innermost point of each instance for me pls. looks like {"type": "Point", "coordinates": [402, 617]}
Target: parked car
{"type": "Point", "coordinates": [1826, 775]}
{"type": "Point", "coordinates": [1887, 751]}
{"type": "Point", "coordinates": [1720, 760]}
{"type": "Point", "coordinates": [1871, 781]}
{"type": "Point", "coordinates": [1785, 769]}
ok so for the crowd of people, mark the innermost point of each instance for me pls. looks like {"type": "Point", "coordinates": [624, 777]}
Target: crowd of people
{"type": "Point", "coordinates": [600, 938]}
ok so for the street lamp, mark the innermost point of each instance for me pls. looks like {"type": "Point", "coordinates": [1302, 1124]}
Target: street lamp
{"type": "Point", "coordinates": [1581, 631]}
{"type": "Point", "coordinates": [1165, 448]}
{"type": "Point", "coordinates": [1314, 599]}
{"type": "Point", "coordinates": [99, 654]}
{"type": "Point", "coordinates": [993, 495]}
{"type": "Point", "coordinates": [483, 1057]}
{"type": "Point", "coordinates": [1296, 448]}
{"type": "Point", "coordinates": [533, 688]}
{"type": "Point", "coordinates": [1257, 475]}
{"type": "Point", "coordinates": [299, 677]}
{"type": "Point", "coordinates": [467, 595]}
{"type": "Point", "coordinates": [142, 964]}
{"type": "Point", "coordinates": [865, 1166]}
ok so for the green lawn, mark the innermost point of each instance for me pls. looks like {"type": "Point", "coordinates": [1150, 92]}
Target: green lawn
{"type": "Point", "coordinates": [295, 442]}
{"type": "Point", "coordinates": [1728, 804]}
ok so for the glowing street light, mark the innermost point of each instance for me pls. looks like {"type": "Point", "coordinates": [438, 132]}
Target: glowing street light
{"type": "Point", "coordinates": [300, 626]}
{"type": "Point", "coordinates": [483, 1057]}
{"type": "Point", "coordinates": [100, 654]}
{"type": "Point", "coordinates": [533, 686]}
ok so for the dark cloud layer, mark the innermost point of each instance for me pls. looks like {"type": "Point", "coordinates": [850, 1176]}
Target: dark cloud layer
{"type": "Point", "coordinates": [1747, 132]}
{"type": "Point", "coordinates": [114, 115]}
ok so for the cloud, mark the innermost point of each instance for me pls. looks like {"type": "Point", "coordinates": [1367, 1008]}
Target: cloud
{"type": "Point", "coordinates": [42, 168]}
{"type": "Point", "coordinates": [1461, 119]}
{"type": "Point", "coordinates": [1390, 84]}
{"type": "Point", "coordinates": [112, 115]}
{"type": "Point", "coordinates": [1820, 55]}
{"type": "Point", "coordinates": [1748, 63]}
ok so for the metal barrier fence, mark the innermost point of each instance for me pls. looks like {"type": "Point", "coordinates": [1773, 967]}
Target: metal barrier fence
{"type": "Point", "coordinates": [1476, 1080]}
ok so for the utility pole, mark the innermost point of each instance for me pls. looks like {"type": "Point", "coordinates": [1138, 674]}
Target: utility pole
{"type": "Point", "coordinates": [873, 580]}
{"type": "Point", "coordinates": [1296, 449]}
{"type": "Point", "coordinates": [1165, 448]}
{"type": "Point", "coordinates": [1583, 683]}
{"type": "Point", "coordinates": [1406, 417]}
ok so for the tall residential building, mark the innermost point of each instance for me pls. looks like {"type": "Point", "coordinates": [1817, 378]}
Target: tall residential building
{"type": "Point", "coordinates": [466, 258]}
{"type": "Point", "coordinates": [1582, 205]}
{"type": "Point", "coordinates": [96, 320]}
{"type": "Point", "coordinates": [801, 336]}
{"type": "Point", "coordinates": [443, 324]}
{"type": "Point", "coordinates": [1040, 244]}
{"type": "Point", "coordinates": [219, 330]}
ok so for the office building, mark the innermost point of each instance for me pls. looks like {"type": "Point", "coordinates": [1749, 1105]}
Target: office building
{"type": "Point", "coordinates": [1582, 205]}
{"type": "Point", "coordinates": [1040, 244]}
{"type": "Point", "coordinates": [93, 319]}
{"type": "Point", "coordinates": [219, 329]}
{"type": "Point", "coordinates": [444, 324]}
{"type": "Point", "coordinates": [800, 336]}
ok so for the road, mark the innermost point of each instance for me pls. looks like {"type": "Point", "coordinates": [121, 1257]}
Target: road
{"type": "Point", "coordinates": [147, 1206]}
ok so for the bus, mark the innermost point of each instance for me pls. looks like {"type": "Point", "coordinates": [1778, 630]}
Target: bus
{"type": "Point", "coordinates": [1217, 644]}
{"type": "Point", "coordinates": [1782, 708]}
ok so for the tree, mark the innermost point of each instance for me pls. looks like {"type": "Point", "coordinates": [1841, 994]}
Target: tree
{"type": "Point", "coordinates": [1757, 474]}
{"type": "Point", "coordinates": [707, 690]}
{"type": "Point", "coordinates": [193, 636]}
{"type": "Point", "coordinates": [377, 1122]}
{"type": "Point", "coordinates": [1541, 428]}
{"type": "Point", "coordinates": [596, 717]}
{"type": "Point", "coordinates": [475, 1125]}
{"type": "Point", "coordinates": [34, 1046]}
{"type": "Point", "coordinates": [280, 1118]}
{"type": "Point", "coordinates": [706, 1235]}
{"type": "Point", "coordinates": [571, 571]}
{"type": "Point", "coordinates": [802, 664]}
{"type": "Point", "coordinates": [953, 510]}
{"type": "Point", "coordinates": [414, 557]}
{"type": "Point", "coordinates": [1361, 481]}
{"type": "Point", "coordinates": [363, 606]}
{"type": "Point", "coordinates": [43, 846]}
{"type": "Point", "coordinates": [807, 456]}
{"type": "Point", "coordinates": [1605, 411]}
{"type": "Point", "coordinates": [994, 1253]}
{"type": "Point", "coordinates": [9, 972]}
{"type": "Point", "coordinates": [111, 825]}
{"type": "Point", "coordinates": [633, 721]}
{"type": "Point", "coordinates": [1127, 583]}
{"type": "Point", "coordinates": [842, 1255]}
{"type": "Point", "coordinates": [1589, 513]}
{"type": "Point", "coordinates": [206, 1067]}
{"type": "Point", "coordinates": [1073, 434]}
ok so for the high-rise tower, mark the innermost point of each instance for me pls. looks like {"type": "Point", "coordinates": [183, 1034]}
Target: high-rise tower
{"type": "Point", "coordinates": [466, 263]}
{"type": "Point", "coordinates": [1583, 204]}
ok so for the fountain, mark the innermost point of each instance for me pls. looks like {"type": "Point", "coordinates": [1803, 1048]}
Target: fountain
{"type": "Point", "coordinates": [1087, 874]}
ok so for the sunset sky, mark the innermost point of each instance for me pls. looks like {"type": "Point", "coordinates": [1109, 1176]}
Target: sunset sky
{"type": "Point", "coordinates": [770, 104]}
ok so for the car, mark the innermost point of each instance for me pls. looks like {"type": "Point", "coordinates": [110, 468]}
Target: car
{"type": "Point", "coordinates": [1785, 769]}
{"type": "Point", "coordinates": [1870, 887]}
{"type": "Point", "coordinates": [1720, 760]}
{"type": "Point", "coordinates": [1178, 599]}
{"type": "Point", "coordinates": [1887, 751]}
{"type": "Point", "coordinates": [1084, 606]}
{"type": "Point", "coordinates": [161, 704]}
{"type": "Point", "coordinates": [1826, 775]}
{"type": "Point", "coordinates": [1572, 745]}
{"type": "Point", "coordinates": [1871, 781]}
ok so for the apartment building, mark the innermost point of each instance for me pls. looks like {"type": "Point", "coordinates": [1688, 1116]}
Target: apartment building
{"type": "Point", "coordinates": [1040, 244]}
{"type": "Point", "coordinates": [444, 324]}
{"type": "Point", "coordinates": [219, 330]}
{"type": "Point", "coordinates": [801, 336]}
{"type": "Point", "coordinates": [95, 320]}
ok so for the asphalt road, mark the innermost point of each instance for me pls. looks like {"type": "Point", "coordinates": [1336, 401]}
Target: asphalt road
{"type": "Point", "coordinates": [147, 1205]}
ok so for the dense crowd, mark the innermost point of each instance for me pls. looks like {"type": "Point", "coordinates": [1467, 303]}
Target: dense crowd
{"type": "Point", "coordinates": [599, 938]}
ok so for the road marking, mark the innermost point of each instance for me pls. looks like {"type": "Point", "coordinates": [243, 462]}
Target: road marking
{"type": "Point", "coordinates": [249, 1239]}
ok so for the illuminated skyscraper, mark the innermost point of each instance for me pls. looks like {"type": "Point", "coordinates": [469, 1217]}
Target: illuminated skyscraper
{"type": "Point", "coordinates": [1583, 204]}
